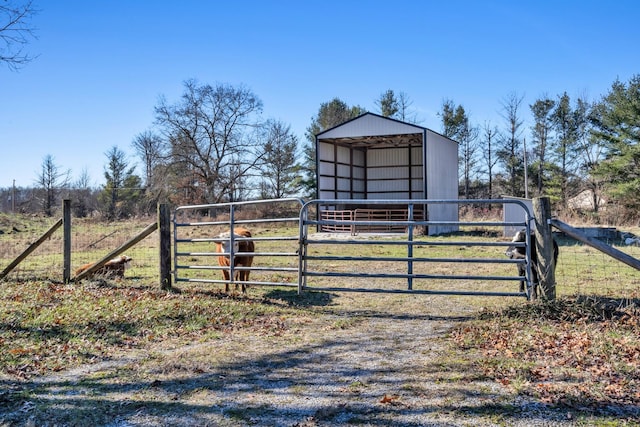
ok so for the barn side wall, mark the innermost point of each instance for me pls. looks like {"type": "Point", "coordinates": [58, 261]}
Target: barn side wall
{"type": "Point", "coordinates": [442, 180]}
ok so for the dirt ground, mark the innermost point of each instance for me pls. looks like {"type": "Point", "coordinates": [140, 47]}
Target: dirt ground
{"type": "Point", "coordinates": [355, 360]}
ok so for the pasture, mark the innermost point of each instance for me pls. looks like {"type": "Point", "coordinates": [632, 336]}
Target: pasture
{"type": "Point", "coordinates": [122, 352]}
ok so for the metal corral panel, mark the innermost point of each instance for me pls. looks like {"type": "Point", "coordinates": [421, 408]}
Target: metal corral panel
{"type": "Point", "coordinates": [370, 125]}
{"type": "Point", "coordinates": [442, 180]}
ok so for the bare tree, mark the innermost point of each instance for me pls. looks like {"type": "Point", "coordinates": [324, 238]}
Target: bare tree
{"type": "Point", "coordinates": [83, 200]}
{"type": "Point", "coordinates": [212, 137]}
{"type": "Point", "coordinates": [51, 180]}
{"type": "Point", "coordinates": [405, 111]}
{"type": "Point", "coordinates": [149, 147]}
{"type": "Point", "coordinates": [510, 152]}
{"type": "Point", "coordinates": [15, 32]}
{"type": "Point", "coordinates": [490, 137]}
{"type": "Point", "coordinates": [456, 125]}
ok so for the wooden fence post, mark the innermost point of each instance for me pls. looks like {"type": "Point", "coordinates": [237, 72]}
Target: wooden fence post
{"type": "Point", "coordinates": [544, 247]}
{"type": "Point", "coordinates": [164, 225]}
{"type": "Point", "coordinates": [66, 238]}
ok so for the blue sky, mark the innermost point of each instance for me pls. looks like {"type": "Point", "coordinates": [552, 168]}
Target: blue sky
{"type": "Point", "coordinates": [102, 65]}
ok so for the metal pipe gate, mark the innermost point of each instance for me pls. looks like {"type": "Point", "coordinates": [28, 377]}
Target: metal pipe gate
{"type": "Point", "coordinates": [312, 267]}
{"type": "Point", "coordinates": [195, 229]}
{"type": "Point", "coordinates": [319, 261]}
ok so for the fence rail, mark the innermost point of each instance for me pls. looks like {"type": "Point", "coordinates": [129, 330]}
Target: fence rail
{"type": "Point", "coordinates": [410, 221]}
{"type": "Point", "coordinates": [195, 259]}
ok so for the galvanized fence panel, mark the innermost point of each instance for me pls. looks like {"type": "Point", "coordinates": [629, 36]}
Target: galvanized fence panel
{"type": "Point", "coordinates": [419, 264]}
{"type": "Point", "coordinates": [274, 226]}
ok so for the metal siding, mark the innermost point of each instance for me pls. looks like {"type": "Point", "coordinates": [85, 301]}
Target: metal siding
{"type": "Point", "coordinates": [389, 196]}
{"type": "Point", "coordinates": [442, 180]}
{"type": "Point", "coordinates": [512, 212]}
{"type": "Point", "coordinates": [416, 155]}
{"type": "Point", "coordinates": [325, 151]}
{"type": "Point", "coordinates": [344, 171]}
{"type": "Point", "coordinates": [344, 154]}
{"type": "Point", "coordinates": [358, 173]}
{"type": "Point", "coordinates": [326, 183]}
{"type": "Point", "coordinates": [399, 172]}
{"type": "Point", "coordinates": [370, 125]}
{"type": "Point", "coordinates": [359, 157]}
{"type": "Point", "coordinates": [387, 157]}
{"type": "Point", "coordinates": [326, 168]}
{"type": "Point", "coordinates": [344, 184]}
{"type": "Point", "coordinates": [442, 167]}
{"type": "Point", "coordinates": [359, 186]}
{"type": "Point", "coordinates": [390, 186]}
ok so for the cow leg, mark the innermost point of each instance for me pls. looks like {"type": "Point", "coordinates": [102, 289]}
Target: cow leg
{"type": "Point", "coordinates": [226, 276]}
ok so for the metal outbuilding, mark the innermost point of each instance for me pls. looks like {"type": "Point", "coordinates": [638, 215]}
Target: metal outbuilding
{"type": "Point", "coordinates": [372, 157]}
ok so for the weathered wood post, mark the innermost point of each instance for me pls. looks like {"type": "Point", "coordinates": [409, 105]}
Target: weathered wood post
{"type": "Point", "coordinates": [164, 226]}
{"type": "Point", "coordinates": [66, 239]}
{"type": "Point", "coordinates": [544, 248]}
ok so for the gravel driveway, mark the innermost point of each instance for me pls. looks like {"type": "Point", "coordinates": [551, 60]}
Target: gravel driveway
{"type": "Point", "coordinates": [339, 366]}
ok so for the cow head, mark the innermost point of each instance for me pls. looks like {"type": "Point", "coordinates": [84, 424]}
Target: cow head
{"type": "Point", "coordinates": [520, 236]}
{"type": "Point", "coordinates": [224, 239]}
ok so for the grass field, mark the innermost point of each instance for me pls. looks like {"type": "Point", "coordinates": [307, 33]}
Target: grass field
{"type": "Point", "coordinates": [579, 354]}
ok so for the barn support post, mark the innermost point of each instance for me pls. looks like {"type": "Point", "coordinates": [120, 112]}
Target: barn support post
{"type": "Point", "coordinates": [164, 226]}
{"type": "Point", "coordinates": [66, 239]}
{"type": "Point", "coordinates": [544, 248]}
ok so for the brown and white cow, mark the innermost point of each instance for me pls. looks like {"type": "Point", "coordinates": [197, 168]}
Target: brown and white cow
{"type": "Point", "coordinates": [113, 268]}
{"type": "Point", "coordinates": [519, 252]}
{"type": "Point", "coordinates": [223, 245]}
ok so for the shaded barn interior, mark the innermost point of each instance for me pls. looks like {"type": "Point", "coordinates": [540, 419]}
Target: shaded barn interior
{"type": "Point", "coordinates": [377, 158]}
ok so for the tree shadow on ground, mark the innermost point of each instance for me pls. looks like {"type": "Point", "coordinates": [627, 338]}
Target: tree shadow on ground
{"type": "Point", "coordinates": [318, 382]}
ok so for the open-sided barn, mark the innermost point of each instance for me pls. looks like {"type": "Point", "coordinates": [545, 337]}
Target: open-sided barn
{"type": "Point", "coordinates": [372, 157]}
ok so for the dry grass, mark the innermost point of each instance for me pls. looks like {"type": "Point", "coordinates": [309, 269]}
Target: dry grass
{"type": "Point", "coordinates": [86, 353]}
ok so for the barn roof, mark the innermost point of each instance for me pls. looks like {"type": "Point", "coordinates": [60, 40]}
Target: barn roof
{"type": "Point", "coordinates": [372, 129]}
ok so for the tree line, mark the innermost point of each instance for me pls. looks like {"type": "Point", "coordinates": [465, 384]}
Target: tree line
{"type": "Point", "coordinates": [212, 145]}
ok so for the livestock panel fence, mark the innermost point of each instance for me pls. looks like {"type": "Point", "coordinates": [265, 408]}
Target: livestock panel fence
{"type": "Point", "coordinates": [463, 261]}
{"type": "Point", "coordinates": [295, 249]}
{"type": "Point", "coordinates": [34, 248]}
